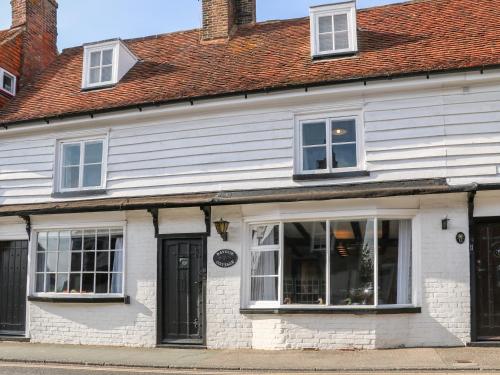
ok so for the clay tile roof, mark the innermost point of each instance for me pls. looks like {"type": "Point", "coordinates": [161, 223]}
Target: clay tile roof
{"type": "Point", "coordinates": [413, 37]}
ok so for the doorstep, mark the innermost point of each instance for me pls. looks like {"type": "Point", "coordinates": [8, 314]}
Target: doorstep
{"type": "Point", "coordinates": [14, 338]}
{"type": "Point", "coordinates": [484, 344]}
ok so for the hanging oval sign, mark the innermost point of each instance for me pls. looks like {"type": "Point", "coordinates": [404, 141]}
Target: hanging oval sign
{"type": "Point", "coordinates": [460, 237]}
{"type": "Point", "coordinates": [225, 258]}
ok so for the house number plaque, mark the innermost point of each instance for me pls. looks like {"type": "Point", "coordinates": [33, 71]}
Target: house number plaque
{"type": "Point", "coordinates": [225, 258]}
{"type": "Point", "coordinates": [460, 237]}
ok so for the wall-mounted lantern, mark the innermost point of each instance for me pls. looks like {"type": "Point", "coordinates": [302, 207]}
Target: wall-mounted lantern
{"type": "Point", "coordinates": [444, 223]}
{"type": "Point", "coordinates": [221, 226]}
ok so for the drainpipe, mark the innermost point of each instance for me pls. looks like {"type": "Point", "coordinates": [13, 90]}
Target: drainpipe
{"type": "Point", "coordinates": [471, 195]}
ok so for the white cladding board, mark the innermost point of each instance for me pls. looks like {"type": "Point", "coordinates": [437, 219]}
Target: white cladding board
{"type": "Point", "coordinates": [447, 132]}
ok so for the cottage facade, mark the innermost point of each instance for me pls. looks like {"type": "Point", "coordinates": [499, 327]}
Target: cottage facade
{"type": "Point", "coordinates": [327, 182]}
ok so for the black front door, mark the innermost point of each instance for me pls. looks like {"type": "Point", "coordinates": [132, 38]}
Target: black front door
{"type": "Point", "coordinates": [182, 277]}
{"type": "Point", "coordinates": [487, 240]}
{"type": "Point", "coordinates": [13, 275]}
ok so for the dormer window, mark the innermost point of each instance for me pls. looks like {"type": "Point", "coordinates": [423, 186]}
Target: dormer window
{"type": "Point", "coordinates": [8, 82]}
{"type": "Point", "coordinates": [333, 29]}
{"type": "Point", "coordinates": [104, 64]}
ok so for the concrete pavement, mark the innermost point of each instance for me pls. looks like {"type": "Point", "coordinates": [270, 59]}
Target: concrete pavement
{"type": "Point", "coordinates": [419, 359]}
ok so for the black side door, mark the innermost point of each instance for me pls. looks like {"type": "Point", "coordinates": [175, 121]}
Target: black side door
{"type": "Point", "coordinates": [13, 277]}
{"type": "Point", "coordinates": [182, 277]}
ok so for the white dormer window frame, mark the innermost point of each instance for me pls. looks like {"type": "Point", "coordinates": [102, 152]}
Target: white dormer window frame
{"type": "Point", "coordinates": [13, 82]}
{"type": "Point", "coordinates": [105, 63]}
{"type": "Point", "coordinates": [331, 33]}
{"type": "Point", "coordinates": [96, 61]}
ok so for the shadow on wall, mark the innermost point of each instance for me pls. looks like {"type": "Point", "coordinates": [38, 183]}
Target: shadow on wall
{"type": "Point", "coordinates": [98, 317]}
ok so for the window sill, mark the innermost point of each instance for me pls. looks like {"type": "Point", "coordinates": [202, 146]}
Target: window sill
{"type": "Point", "coordinates": [99, 87]}
{"type": "Point", "coordinates": [345, 311]}
{"type": "Point", "coordinates": [125, 300]}
{"type": "Point", "coordinates": [79, 193]}
{"type": "Point", "coordinates": [328, 176]}
{"type": "Point", "coordinates": [333, 55]}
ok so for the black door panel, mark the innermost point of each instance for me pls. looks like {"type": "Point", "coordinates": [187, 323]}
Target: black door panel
{"type": "Point", "coordinates": [13, 275]}
{"type": "Point", "coordinates": [182, 281]}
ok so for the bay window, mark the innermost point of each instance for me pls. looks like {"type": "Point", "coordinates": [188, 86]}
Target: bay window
{"type": "Point", "coordinates": [340, 263]}
{"type": "Point", "coordinates": [80, 262]}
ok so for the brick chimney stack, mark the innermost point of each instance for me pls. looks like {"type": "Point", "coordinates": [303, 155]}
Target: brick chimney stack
{"type": "Point", "coordinates": [39, 44]}
{"type": "Point", "coordinates": [222, 17]}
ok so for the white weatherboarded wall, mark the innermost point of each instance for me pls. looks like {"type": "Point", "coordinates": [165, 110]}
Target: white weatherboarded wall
{"type": "Point", "coordinates": [450, 131]}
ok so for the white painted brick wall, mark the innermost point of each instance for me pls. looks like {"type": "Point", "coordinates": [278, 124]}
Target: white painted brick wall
{"type": "Point", "coordinates": [109, 324]}
{"type": "Point", "coordinates": [444, 286]}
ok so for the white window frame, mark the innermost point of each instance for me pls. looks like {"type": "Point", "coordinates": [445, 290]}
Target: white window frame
{"type": "Point", "coordinates": [59, 162]}
{"type": "Point", "coordinates": [88, 50]}
{"type": "Point", "coordinates": [246, 264]}
{"type": "Point", "coordinates": [33, 259]}
{"type": "Point", "coordinates": [328, 118]}
{"type": "Point", "coordinates": [3, 73]}
{"type": "Point", "coordinates": [316, 12]}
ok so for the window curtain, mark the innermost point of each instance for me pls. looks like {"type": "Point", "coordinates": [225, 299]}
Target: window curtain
{"type": "Point", "coordinates": [404, 262]}
{"type": "Point", "coordinates": [116, 281]}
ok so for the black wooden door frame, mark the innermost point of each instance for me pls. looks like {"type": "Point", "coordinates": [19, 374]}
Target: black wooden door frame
{"type": "Point", "coordinates": [159, 282]}
{"type": "Point", "coordinates": [473, 243]}
{"type": "Point", "coordinates": [27, 281]}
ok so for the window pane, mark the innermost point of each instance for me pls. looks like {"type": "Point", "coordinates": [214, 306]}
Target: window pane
{"type": "Point", "coordinates": [93, 152]}
{"type": "Point", "coordinates": [88, 283]}
{"type": "Point", "coordinates": [340, 22]}
{"type": "Point", "coordinates": [76, 240]}
{"type": "Point", "coordinates": [107, 57]}
{"type": "Point", "coordinates": [116, 261]}
{"type": "Point", "coordinates": [264, 289]}
{"type": "Point", "coordinates": [95, 59]}
{"type": "Point", "coordinates": [314, 158]}
{"type": "Point", "coordinates": [63, 262]}
{"type": "Point", "coordinates": [40, 262]}
{"type": "Point", "coordinates": [76, 262]}
{"type": "Point", "coordinates": [351, 265]}
{"type": "Point", "coordinates": [71, 177]}
{"type": "Point", "coordinates": [102, 261]}
{"type": "Point", "coordinates": [394, 255]}
{"type": "Point", "coordinates": [343, 131]}
{"type": "Point", "coordinates": [304, 263]}
{"type": "Point", "coordinates": [116, 283]}
{"type": "Point", "coordinates": [50, 282]}
{"type": "Point", "coordinates": [116, 240]}
{"type": "Point", "coordinates": [265, 235]}
{"type": "Point", "coordinates": [325, 42]}
{"type": "Point", "coordinates": [62, 283]}
{"type": "Point", "coordinates": [8, 83]}
{"type": "Point", "coordinates": [89, 261]}
{"type": "Point", "coordinates": [94, 75]}
{"type": "Point", "coordinates": [103, 239]}
{"type": "Point", "coordinates": [42, 241]}
{"type": "Point", "coordinates": [106, 74]}
{"type": "Point", "coordinates": [89, 240]}
{"type": "Point", "coordinates": [325, 24]}
{"type": "Point", "coordinates": [40, 287]}
{"type": "Point", "coordinates": [51, 262]}
{"type": "Point", "coordinates": [314, 133]}
{"type": "Point", "coordinates": [64, 241]}
{"type": "Point", "coordinates": [265, 263]}
{"type": "Point", "coordinates": [341, 40]}
{"type": "Point", "coordinates": [74, 283]}
{"type": "Point", "coordinates": [71, 154]}
{"type": "Point", "coordinates": [92, 175]}
{"type": "Point", "coordinates": [101, 283]}
{"type": "Point", "coordinates": [344, 156]}
{"type": "Point", "coordinates": [53, 240]}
